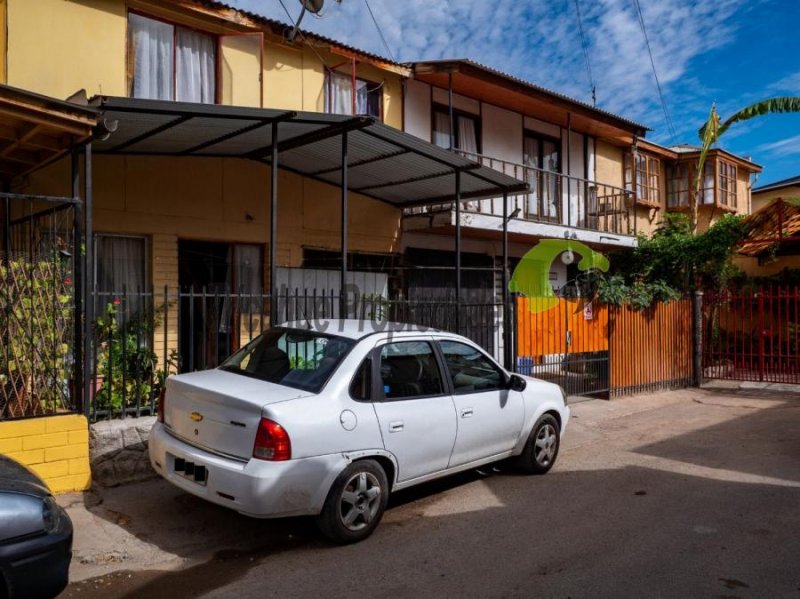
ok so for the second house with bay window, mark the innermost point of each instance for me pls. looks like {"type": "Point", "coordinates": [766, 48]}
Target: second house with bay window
{"type": "Point", "coordinates": [592, 175]}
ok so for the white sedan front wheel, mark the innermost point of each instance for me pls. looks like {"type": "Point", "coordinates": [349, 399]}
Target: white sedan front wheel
{"type": "Point", "coordinates": [541, 449]}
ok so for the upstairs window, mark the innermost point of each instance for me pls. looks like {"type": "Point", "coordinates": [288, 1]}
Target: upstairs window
{"type": "Point", "coordinates": [727, 184]}
{"type": "Point", "coordinates": [647, 176]}
{"type": "Point", "coordinates": [339, 95]}
{"type": "Point", "coordinates": [706, 184]}
{"type": "Point", "coordinates": [466, 130]}
{"type": "Point", "coordinates": [169, 62]}
{"type": "Point", "coordinates": [678, 186]}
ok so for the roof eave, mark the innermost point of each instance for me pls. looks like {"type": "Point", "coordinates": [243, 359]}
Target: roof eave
{"type": "Point", "coordinates": [469, 67]}
{"type": "Point", "coordinates": [243, 18]}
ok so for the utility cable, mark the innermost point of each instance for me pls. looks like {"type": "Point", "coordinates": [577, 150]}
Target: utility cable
{"type": "Point", "coordinates": [667, 118]}
{"type": "Point", "coordinates": [585, 46]}
{"type": "Point", "coordinates": [302, 35]}
{"type": "Point", "coordinates": [380, 31]}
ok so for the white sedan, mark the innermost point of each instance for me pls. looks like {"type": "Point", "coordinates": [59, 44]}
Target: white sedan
{"type": "Point", "coordinates": [328, 420]}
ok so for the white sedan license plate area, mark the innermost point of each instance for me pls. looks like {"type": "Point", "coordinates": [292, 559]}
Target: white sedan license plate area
{"type": "Point", "coordinates": [189, 470]}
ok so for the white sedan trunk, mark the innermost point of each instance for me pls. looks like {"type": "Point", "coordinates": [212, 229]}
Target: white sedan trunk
{"type": "Point", "coordinates": [219, 410]}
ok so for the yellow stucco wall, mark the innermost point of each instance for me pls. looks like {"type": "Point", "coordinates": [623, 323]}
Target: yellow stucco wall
{"type": "Point", "coordinates": [764, 198]}
{"type": "Point", "coordinates": [218, 199]}
{"type": "Point", "coordinates": [3, 39]}
{"type": "Point", "coordinates": [240, 70]}
{"type": "Point", "coordinates": [608, 163]}
{"type": "Point", "coordinates": [55, 447]}
{"type": "Point", "coordinates": [751, 266]}
{"type": "Point", "coordinates": [57, 47]}
{"type": "Point", "coordinates": [294, 79]}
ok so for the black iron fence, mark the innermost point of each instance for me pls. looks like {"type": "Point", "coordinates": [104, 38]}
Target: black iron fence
{"type": "Point", "coordinates": [141, 337]}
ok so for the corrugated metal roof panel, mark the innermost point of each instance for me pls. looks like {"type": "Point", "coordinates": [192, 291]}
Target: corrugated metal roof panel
{"type": "Point", "coordinates": [385, 163]}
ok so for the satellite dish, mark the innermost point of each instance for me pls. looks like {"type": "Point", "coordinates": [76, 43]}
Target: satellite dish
{"type": "Point", "coordinates": [313, 6]}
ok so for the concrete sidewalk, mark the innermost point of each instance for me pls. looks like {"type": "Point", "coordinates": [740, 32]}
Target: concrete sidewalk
{"type": "Point", "coordinates": [153, 526]}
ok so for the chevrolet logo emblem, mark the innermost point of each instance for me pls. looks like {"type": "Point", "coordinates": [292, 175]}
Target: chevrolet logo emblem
{"type": "Point", "coordinates": [197, 416]}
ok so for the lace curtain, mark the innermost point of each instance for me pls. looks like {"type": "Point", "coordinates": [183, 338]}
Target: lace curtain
{"type": "Point", "coordinates": [171, 63]}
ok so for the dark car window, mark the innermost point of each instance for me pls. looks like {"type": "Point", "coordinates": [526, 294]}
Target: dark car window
{"type": "Point", "coordinates": [291, 357]}
{"type": "Point", "coordinates": [361, 385]}
{"type": "Point", "coordinates": [470, 370]}
{"type": "Point", "coordinates": [409, 369]}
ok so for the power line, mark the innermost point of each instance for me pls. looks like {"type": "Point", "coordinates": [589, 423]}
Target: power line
{"type": "Point", "coordinates": [380, 31]}
{"type": "Point", "coordinates": [667, 118]}
{"type": "Point", "coordinates": [585, 46]}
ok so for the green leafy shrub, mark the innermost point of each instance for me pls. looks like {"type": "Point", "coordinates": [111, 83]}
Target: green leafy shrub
{"type": "Point", "coordinates": [127, 372]}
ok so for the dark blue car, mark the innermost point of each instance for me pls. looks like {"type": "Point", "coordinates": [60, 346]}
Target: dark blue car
{"type": "Point", "coordinates": [35, 536]}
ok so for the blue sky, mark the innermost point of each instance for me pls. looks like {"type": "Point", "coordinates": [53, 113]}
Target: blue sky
{"type": "Point", "coordinates": [733, 52]}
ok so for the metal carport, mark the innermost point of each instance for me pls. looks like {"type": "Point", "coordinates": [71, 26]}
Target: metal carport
{"type": "Point", "coordinates": [357, 154]}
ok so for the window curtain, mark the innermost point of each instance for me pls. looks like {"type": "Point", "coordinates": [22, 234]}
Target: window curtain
{"type": "Point", "coordinates": [467, 138]}
{"type": "Point", "coordinates": [151, 45]}
{"type": "Point", "coordinates": [362, 97]}
{"type": "Point", "coordinates": [120, 272]}
{"type": "Point", "coordinates": [708, 183]}
{"type": "Point", "coordinates": [530, 157]}
{"type": "Point", "coordinates": [441, 129]}
{"type": "Point", "coordinates": [550, 184]}
{"type": "Point", "coordinates": [339, 94]}
{"type": "Point", "coordinates": [249, 276]}
{"type": "Point", "coordinates": [195, 63]}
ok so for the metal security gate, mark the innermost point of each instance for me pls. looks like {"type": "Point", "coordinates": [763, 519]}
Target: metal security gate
{"type": "Point", "coordinates": [752, 335]}
{"type": "Point", "coordinates": [40, 345]}
{"type": "Point", "coordinates": [564, 341]}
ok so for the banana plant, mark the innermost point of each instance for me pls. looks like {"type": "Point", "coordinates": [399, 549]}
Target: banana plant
{"type": "Point", "coordinates": [715, 127]}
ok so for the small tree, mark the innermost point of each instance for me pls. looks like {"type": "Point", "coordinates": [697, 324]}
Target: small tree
{"type": "Point", "coordinates": [714, 128]}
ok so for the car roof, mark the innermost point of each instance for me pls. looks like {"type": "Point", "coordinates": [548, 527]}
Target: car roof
{"type": "Point", "coordinates": [356, 328]}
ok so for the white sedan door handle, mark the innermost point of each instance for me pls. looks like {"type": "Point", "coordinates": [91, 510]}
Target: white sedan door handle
{"type": "Point", "coordinates": [396, 426]}
{"type": "Point", "coordinates": [466, 413]}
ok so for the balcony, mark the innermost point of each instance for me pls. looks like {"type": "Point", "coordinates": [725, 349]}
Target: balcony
{"type": "Point", "coordinates": [585, 209]}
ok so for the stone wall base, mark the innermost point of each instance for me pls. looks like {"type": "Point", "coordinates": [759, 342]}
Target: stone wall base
{"type": "Point", "coordinates": [118, 450]}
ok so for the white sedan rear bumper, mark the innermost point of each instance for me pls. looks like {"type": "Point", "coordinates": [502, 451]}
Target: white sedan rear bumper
{"type": "Point", "coordinates": [255, 488]}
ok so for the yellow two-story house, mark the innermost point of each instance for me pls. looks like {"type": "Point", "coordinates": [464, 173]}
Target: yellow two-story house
{"type": "Point", "coordinates": [192, 223]}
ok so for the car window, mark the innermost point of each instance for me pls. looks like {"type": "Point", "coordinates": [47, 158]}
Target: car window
{"type": "Point", "coordinates": [470, 370]}
{"type": "Point", "coordinates": [409, 369]}
{"type": "Point", "coordinates": [292, 357]}
{"type": "Point", "coordinates": [361, 385]}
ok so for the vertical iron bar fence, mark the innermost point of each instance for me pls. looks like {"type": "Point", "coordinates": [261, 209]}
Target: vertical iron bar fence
{"type": "Point", "coordinates": [752, 335]}
{"type": "Point", "coordinates": [142, 337]}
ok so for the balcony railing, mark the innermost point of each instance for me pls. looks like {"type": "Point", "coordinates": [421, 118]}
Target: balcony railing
{"type": "Point", "coordinates": [554, 198]}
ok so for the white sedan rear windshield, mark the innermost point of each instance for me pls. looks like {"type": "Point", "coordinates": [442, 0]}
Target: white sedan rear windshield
{"type": "Point", "coordinates": [291, 357]}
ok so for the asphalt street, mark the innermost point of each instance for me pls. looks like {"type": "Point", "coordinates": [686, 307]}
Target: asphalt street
{"type": "Point", "coordinates": [686, 493]}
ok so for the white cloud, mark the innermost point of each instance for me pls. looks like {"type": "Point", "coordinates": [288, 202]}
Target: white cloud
{"type": "Point", "coordinates": [785, 147]}
{"type": "Point", "coordinates": [788, 85]}
{"type": "Point", "coordinates": [540, 42]}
